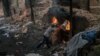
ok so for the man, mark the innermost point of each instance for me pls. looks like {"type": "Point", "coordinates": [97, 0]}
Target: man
{"type": "Point", "coordinates": [48, 32]}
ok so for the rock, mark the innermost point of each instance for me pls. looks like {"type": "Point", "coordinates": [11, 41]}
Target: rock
{"type": "Point", "coordinates": [33, 54]}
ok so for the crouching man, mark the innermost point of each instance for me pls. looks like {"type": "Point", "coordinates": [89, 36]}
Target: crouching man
{"type": "Point", "coordinates": [46, 35]}
{"type": "Point", "coordinates": [79, 41]}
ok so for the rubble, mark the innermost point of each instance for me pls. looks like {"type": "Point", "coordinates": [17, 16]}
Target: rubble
{"type": "Point", "coordinates": [17, 30]}
{"type": "Point", "coordinates": [30, 54]}
{"type": "Point", "coordinates": [33, 54]}
{"type": "Point", "coordinates": [22, 27]}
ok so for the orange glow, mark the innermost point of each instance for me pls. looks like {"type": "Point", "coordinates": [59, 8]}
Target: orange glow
{"type": "Point", "coordinates": [54, 20]}
{"type": "Point", "coordinates": [68, 27]}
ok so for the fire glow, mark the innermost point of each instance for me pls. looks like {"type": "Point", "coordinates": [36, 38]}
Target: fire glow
{"type": "Point", "coordinates": [67, 24]}
{"type": "Point", "coordinates": [54, 20]}
{"type": "Point", "coordinates": [68, 27]}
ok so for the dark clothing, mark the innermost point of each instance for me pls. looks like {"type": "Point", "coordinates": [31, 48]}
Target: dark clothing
{"type": "Point", "coordinates": [45, 41]}
{"type": "Point", "coordinates": [49, 31]}
{"type": "Point", "coordinates": [46, 35]}
{"type": "Point", "coordinates": [89, 36]}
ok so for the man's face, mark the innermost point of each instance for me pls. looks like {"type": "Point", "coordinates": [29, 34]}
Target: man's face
{"type": "Point", "coordinates": [54, 21]}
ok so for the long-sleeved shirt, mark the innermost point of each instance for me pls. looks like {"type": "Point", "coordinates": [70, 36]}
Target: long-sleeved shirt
{"type": "Point", "coordinates": [49, 31]}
